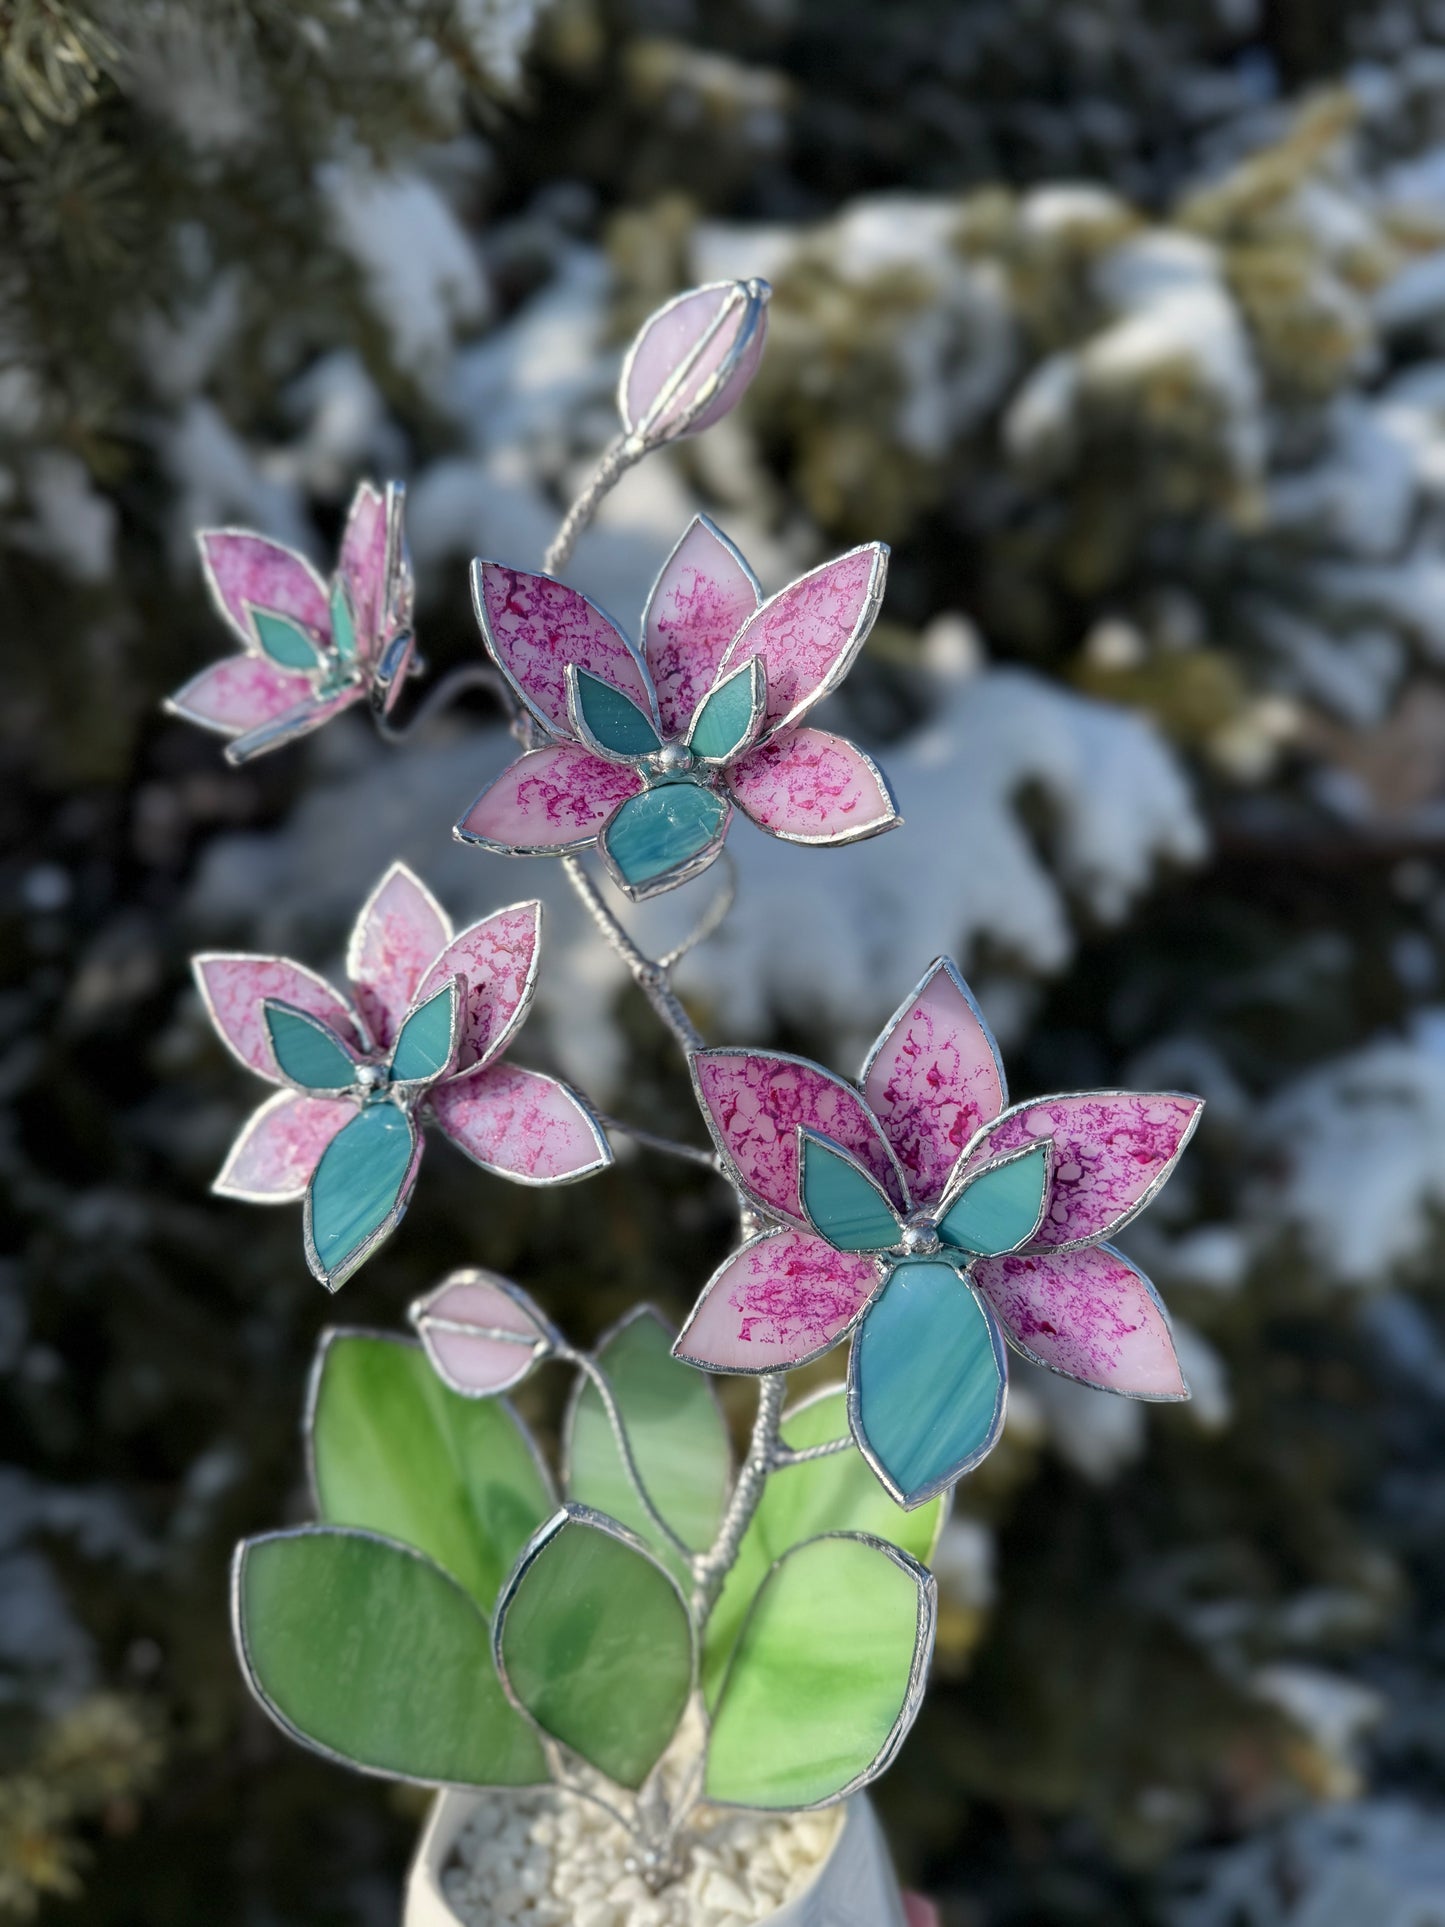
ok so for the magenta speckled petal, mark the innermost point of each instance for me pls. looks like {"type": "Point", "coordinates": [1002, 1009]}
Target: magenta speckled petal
{"type": "Point", "coordinates": [521, 1125]}
{"type": "Point", "coordinates": [810, 787]}
{"type": "Point", "coordinates": [1088, 1314]}
{"type": "Point", "coordinates": [363, 565]}
{"type": "Point", "coordinates": [396, 937]}
{"type": "Point", "coordinates": [273, 1158]}
{"type": "Point", "coordinates": [1112, 1151]}
{"type": "Point", "coordinates": [701, 600]}
{"type": "Point", "coordinates": [809, 633]}
{"type": "Point", "coordinates": [240, 693]}
{"type": "Point", "coordinates": [234, 986]}
{"type": "Point", "coordinates": [756, 1102]}
{"type": "Point", "coordinates": [784, 1298]}
{"type": "Point", "coordinates": [552, 799]}
{"type": "Point", "coordinates": [498, 959]}
{"type": "Point", "coordinates": [534, 627]}
{"type": "Point", "coordinates": [244, 569]}
{"type": "Point", "coordinates": [934, 1079]}
{"type": "Point", "coordinates": [664, 344]}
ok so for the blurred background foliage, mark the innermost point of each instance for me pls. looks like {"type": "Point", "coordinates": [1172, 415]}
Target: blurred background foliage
{"type": "Point", "coordinates": [1124, 322]}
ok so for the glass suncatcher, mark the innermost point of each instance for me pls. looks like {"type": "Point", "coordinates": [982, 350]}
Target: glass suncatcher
{"type": "Point", "coordinates": [650, 1623]}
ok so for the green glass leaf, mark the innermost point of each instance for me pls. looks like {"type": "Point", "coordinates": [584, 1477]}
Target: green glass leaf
{"type": "Point", "coordinates": [663, 832]}
{"type": "Point", "coordinates": [394, 1450]}
{"type": "Point", "coordinates": [843, 1203]}
{"type": "Point", "coordinates": [826, 1678]}
{"type": "Point", "coordinates": [366, 1651]}
{"type": "Point", "coordinates": [307, 1051]}
{"type": "Point", "coordinates": [343, 627]}
{"type": "Point", "coordinates": [727, 715]}
{"type": "Point", "coordinates": [611, 719]}
{"type": "Point", "coordinates": [1000, 1209]}
{"type": "Point", "coordinates": [285, 641]}
{"type": "Point", "coordinates": [677, 1434]}
{"type": "Point", "coordinates": [424, 1043]}
{"type": "Point", "coordinates": [358, 1191]}
{"type": "Point", "coordinates": [840, 1493]}
{"type": "Point", "coordinates": [595, 1642]}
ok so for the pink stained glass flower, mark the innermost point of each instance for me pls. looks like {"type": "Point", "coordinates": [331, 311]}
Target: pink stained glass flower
{"type": "Point", "coordinates": [646, 751]}
{"type": "Point", "coordinates": [308, 648]}
{"type": "Point", "coordinates": [421, 1040]}
{"type": "Point", "coordinates": [927, 1217]}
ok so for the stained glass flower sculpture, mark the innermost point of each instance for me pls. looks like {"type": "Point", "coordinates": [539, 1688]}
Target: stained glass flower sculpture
{"type": "Point", "coordinates": [646, 752]}
{"type": "Point", "coordinates": [932, 1220]}
{"type": "Point", "coordinates": [424, 1039]}
{"type": "Point", "coordinates": [309, 649]}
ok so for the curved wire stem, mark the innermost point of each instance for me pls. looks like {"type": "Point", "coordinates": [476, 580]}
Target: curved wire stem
{"type": "Point", "coordinates": [650, 976]}
{"type": "Point", "coordinates": [617, 458]}
{"type": "Point", "coordinates": [441, 696]}
{"type": "Point", "coordinates": [597, 1378]}
{"type": "Point", "coordinates": [714, 1565]}
{"type": "Point", "coordinates": [712, 918]}
{"type": "Point", "coordinates": [805, 1455]}
{"type": "Point", "coordinates": [653, 1141]}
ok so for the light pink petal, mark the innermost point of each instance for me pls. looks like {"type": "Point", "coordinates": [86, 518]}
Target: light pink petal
{"type": "Point", "coordinates": [534, 627]}
{"type": "Point", "coordinates": [933, 1079]}
{"type": "Point", "coordinates": [244, 569]}
{"type": "Point", "coordinates": [498, 959]}
{"type": "Point", "coordinates": [552, 799]}
{"type": "Point", "coordinates": [521, 1125]}
{"type": "Point", "coordinates": [784, 1298]}
{"type": "Point", "coordinates": [1088, 1314]}
{"type": "Point", "coordinates": [398, 933]}
{"type": "Point", "coordinates": [664, 344]}
{"type": "Point", "coordinates": [702, 598]}
{"type": "Point", "coordinates": [234, 986]}
{"type": "Point", "coordinates": [273, 1158]}
{"type": "Point", "coordinates": [756, 1102]}
{"type": "Point", "coordinates": [363, 564]}
{"type": "Point", "coordinates": [1112, 1151]}
{"type": "Point", "coordinates": [240, 693]}
{"type": "Point", "coordinates": [502, 1335]}
{"type": "Point", "coordinates": [809, 633]}
{"type": "Point", "coordinates": [811, 787]}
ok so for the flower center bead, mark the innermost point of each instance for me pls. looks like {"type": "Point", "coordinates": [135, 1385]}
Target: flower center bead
{"type": "Point", "coordinates": [919, 1237]}
{"type": "Point", "coordinates": [371, 1080]}
{"type": "Point", "coordinates": [673, 759]}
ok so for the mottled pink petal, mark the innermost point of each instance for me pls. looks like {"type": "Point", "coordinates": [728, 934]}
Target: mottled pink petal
{"type": "Point", "coordinates": [362, 563]}
{"type": "Point", "coordinates": [934, 1078]}
{"type": "Point", "coordinates": [809, 633]}
{"type": "Point", "coordinates": [1088, 1314]}
{"type": "Point", "coordinates": [243, 569]}
{"type": "Point", "coordinates": [783, 1299]}
{"type": "Point", "coordinates": [755, 1103]}
{"type": "Point", "coordinates": [393, 943]}
{"type": "Point", "coordinates": [664, 344]}
{"type": "Point", "coordinates": [240, 693]}
{"type": "Point", "coordinates": [498, 959]}
{"type": "Point", "coordinates": [482, 1334]}
{"type": "Point", "coordinates": [233, 987]}
{"type": "Point", "coordinates": [1112, 1151]}
{"type": "Point", "coordinates": [810, 787]}
{"type": "Point", "coordinates": [704, 595]}
{"type": "Point", "coordinates": [534, 627]}
{"type": "Point", "coordinates": [273, 1158]}
{"type": "Point", "coordinates": [521, 1125]}
{"type": "Point", "coordinates": [552, 799]}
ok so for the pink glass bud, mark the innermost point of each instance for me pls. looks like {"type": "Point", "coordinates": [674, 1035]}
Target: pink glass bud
{"type": "Point", "coordinates": [482, 1334]}
{"type": "Point", "coordinates": [693, 360]}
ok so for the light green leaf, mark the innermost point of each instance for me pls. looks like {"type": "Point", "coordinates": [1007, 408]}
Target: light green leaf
{"type": "Point", "coordinates": [285, 642]}
{"type": "Point", "coordinates": [306, 1050]}
{"type": "Point", "coordinates": [843, 1203]}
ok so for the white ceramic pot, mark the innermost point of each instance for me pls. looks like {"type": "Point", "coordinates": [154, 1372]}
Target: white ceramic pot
{"type": "Point", "coordinates": [854, 1887]}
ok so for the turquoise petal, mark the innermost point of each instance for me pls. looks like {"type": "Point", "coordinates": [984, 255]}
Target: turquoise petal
{"type": "Point", "coordinates": [343, 628]}
{"type": "Point", "coordinates": [1000, 1208]}
{"type": "Point", "coordinates": [663, 831]}
{"type": "Point", "coordinates": [424, 1044]}
{"type": "Point", "coordinates": [843, 1202]}
{"type": "Point", "coordinates": [724, 719]}
{"type": "Point", "coordinates": [285, 641]}
{"type": "Point", "coordinates": [359, 1189]}
{"type": "Point", "coordinates": [308, 1053]}
{"type": "Point", "coordinates": [926, 1380]}
{"type": "Point", "coordinates": [612, 719]}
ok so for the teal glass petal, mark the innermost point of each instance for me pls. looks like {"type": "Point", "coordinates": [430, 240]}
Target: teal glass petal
{"type": "Point", "coordinates": [926, 1380]}
{"type": "Point", "coordinates": [285, 641]}
{"type": "Point", "coordinates": [1000, 1209]}
{"type": "Point", "coordinates": [725, 717]}
{"type": "Point", "coordinates": [663, 830]}
{"type": "Point", "coordinates": [358, 1188]}
{"type": "Point", "coordinates": [612, 719]}
{"type": "Point", "coordinates": [424, 1045]}
{"type": "Point", "coordinates": [308, 1053]}
{"type": "Point", "coordinates": [843, 1202]}
{"type": "Point", "coordinates": [343, 628]}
